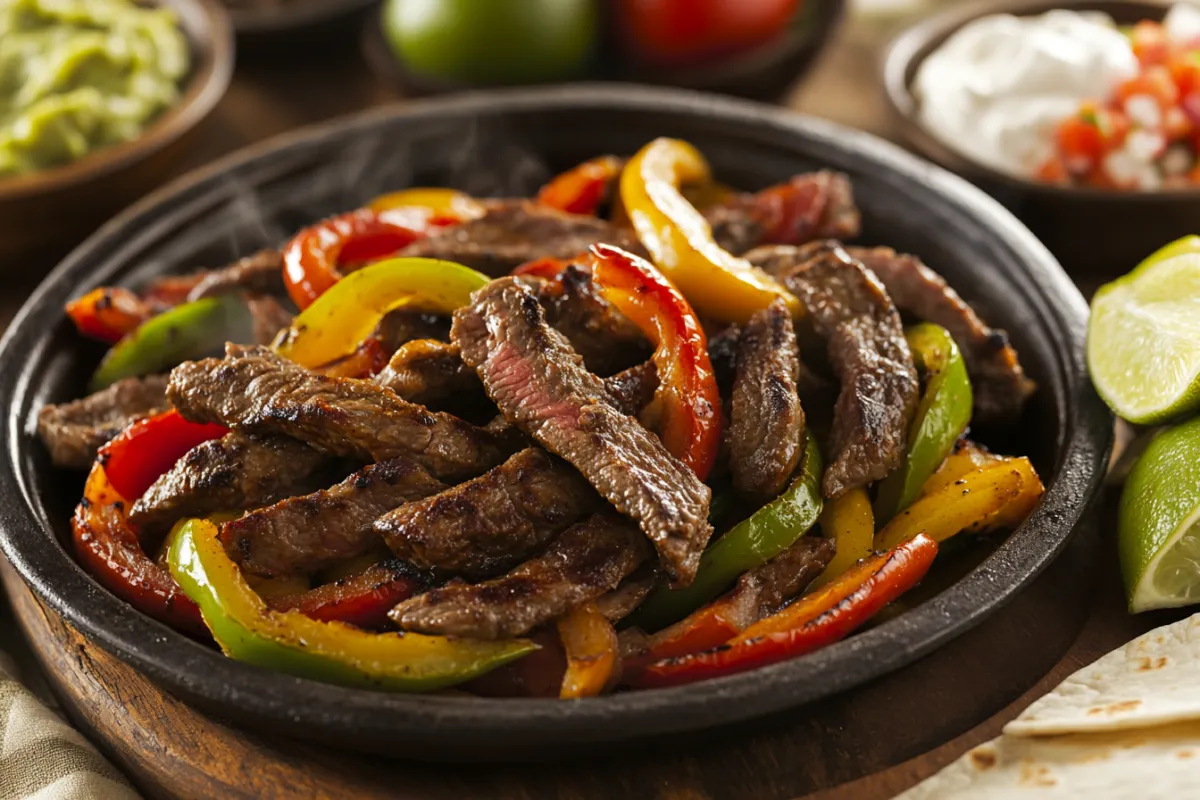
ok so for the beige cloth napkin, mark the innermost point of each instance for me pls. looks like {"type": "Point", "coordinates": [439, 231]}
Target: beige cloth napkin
{"type": "Point", "coordinates": [44, 758]}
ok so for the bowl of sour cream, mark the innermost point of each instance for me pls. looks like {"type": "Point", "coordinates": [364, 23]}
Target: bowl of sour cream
{"type": "Point", "coordinates": [1067, 113]}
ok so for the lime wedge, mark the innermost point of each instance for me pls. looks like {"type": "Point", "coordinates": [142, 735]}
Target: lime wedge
{"type": "Point", "coordinates": [1143, 345]}
{"type": "Point", "coordinates": [1158, 526]}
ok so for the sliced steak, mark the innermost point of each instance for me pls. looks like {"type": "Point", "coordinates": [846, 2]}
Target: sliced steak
{"type": "Point", "coordinates": [427, 371]}
{"type": "Point", "coordinates": [1000, 386]}
{"type": "Point", "coordinates": [851, 310]}
{"type": "Point", "coordinates": [809, 206]}
{"type": "Point", "coordinates": [777, 260]}
{"type": "Point", "coordinates": [540, 384]}
{"type": "Point", "coordinates": [605, 338]}
{"type": "Point", "coordinates": [722, 352]}
{"type": "Point", "coordinates": [253, 389]}
{"type": "Point", "coordinates": [261, 273]}
{"type": "Point", "coordinates": [511, 233]}
{"type": "Point", "coordinates": [268, 315]}
{"type": "Point", "coordinates": [766, 430]}
{"type": "Point", "coordinates": [632, 390]}
{"type": "Point", "coordinates": [403, 325]}
{"type": "Point", "coordinates": [74, 431]}
{"type": "Point", "coordinates": [787, 574]}
{"type": "Point", "coordinates": [490, 524]}
{"type": "Point", "coordinates": [584, 562]}
{"type": "Point", "coordinates": [624, 600]}
{"type": "Point", "coordinates": [304, 534]}
{"type": "Point", "coordinates": [232, 473]}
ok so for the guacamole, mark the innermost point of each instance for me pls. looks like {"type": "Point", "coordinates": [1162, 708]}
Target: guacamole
{"type": "Point", "coordinates": [78, 75]}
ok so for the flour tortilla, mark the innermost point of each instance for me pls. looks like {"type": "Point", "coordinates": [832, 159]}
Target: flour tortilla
{"type": "Point", "coordinates": [1154, 764]}
{"type": "Point", "coordinates": [1153, 680]}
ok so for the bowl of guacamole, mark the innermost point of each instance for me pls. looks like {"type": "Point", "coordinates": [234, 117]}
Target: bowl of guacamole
{"type": "Point", "coordinates": [96, 96]}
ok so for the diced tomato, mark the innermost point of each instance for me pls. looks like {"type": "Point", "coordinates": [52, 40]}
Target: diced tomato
{"type": "Point", "coordinates": [1155, 81]}
{"type": "Point", "coordinates": [1052, 171]}
{"type": "Point", "coordinates": [1150, 42]}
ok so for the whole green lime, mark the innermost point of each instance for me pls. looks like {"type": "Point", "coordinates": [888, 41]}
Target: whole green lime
{"type": "Point", "coordinates": [493, 41]}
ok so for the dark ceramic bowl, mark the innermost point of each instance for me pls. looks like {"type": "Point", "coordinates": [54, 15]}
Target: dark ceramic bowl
{"type": "Point", "coordinates": [1096, 231]}
{"type": "Point", "coordinates": [764, 72]}
{"type": "Point", "coordinates": [270, 25]}
{"type": "Point", "coordinates": [44, 213]}
{"type": "Point", "coordinates": [504, 143]}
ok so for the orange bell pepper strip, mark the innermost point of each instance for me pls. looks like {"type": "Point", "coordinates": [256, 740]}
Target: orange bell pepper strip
{"type": "Point", "coordinates": [108, 313]}
{"type": "Point", "coordinates": [311, 258]}
{"type": "Point", "coordinates": [812, 622]}
{"type": "Point", "coordinates": [591, 647]}
{"type": "Point", "coordinates": [581, 189]}
{"type": "Point", "coordinates": [719, 285]}
{"type": "Point", "coordinates": [687, 395]}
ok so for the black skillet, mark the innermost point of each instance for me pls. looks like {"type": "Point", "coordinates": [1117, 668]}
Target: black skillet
{"type": "Point", "coordinates": [508, 143]}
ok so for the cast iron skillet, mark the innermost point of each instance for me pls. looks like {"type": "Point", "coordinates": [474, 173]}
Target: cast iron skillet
{"type": "Point", "coordinates": [509, 142]}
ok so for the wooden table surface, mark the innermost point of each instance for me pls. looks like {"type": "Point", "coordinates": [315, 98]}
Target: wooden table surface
{"type": "Point", "coordinates": [269, 96]}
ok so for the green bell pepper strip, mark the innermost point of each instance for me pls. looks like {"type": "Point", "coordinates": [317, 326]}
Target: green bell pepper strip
{"type": "Point", "coordinates": [752, 542]}
{"type": "Point", "coordinates": [290, 642]}
{"type": "Point", "coordinates": [341, 318]}
{"type": "Point", "coordinates": [188, 331]}
{"type": "Point", "coordinates": [942, 416]}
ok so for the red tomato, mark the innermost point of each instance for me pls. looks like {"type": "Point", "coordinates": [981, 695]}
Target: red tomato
{"type": "Point", "coordinates": [1155, 81]}
{"type": "Point", "coordinates": [1150, 42]}
{"type": "Point", "coordinates": [672, 33]}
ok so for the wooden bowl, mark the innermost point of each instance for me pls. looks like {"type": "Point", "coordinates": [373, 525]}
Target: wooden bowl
{"type": "Point", "coordinates": [764, 72]}
{"type": "Point", "coordinates": [509, 143]}
{"type": "Point", "coordinates": [45, 213]}
{"type": "Point", "coordinates": [1096, 231]}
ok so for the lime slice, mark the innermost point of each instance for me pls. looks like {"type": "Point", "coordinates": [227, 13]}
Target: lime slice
{"type": "Point", "coordinates": [1143, 345]}
{"type": "Point", "coordinates": [1158, 527]}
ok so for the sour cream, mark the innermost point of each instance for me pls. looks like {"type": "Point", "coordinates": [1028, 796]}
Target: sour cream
{"type": "Point", "coordinates": [997, 88]}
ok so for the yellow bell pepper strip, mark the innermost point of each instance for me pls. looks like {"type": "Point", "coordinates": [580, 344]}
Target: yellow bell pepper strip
{"type": "Point", "coordinates": [720, 286]}
{"type": "Point", "coordinates": [967, 456]}
{"type": "Point", "coordinates": [752, 542]}
{"type": "Point", "coordinates": [591, 647]}
{"type": "Point", "coordinates": [849, 522]}
{"type": "Point", "coordinates": [341, 318]}
{"type": "Point", "coordinates": [290, 642]}
{"type": "Point", "coordinates": [189, 331]}
{"type": "Point", "coordinates": [812, 622]}
{"type": "Point", "coordinates": [942, 416]}
{"type": "Point", "coordinates": [421, 209]}
{"type": "Point", "coordinates": [956, 507]}
{"type": "Point", "coordinates": [108, 313]}
{"type": "Point", "coordinates": [582, 189]}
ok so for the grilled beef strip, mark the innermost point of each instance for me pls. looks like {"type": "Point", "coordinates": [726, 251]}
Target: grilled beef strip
{"type": "Point", "coordinates": [427, 371]}
{"type": "Point", "coordinates": [235, 472]}
{"type": "Point", "coordinates": [513, 232]}
{"type": "Point", "coordinates": [268, 315]}
{"type": "Point", "coordinates": [403, 325]}
{"type": "Point", "coordinates": [851, 310]}
{"type": "Point", "coordinates": [539, 383]}
{"type": "Point", "coordinates": [624, 600]}
{"type": "Point", "coordinates": [584, 562]}
{"type": "Point", "coordinates": [255, 390]}
{"type": "Point", "coordinates": [722, 352]}
{"type": "Point", "coordinates": [605, 338]}
{"type": "Point", "coordinates": [1000, 386]}
{"type": "Point", "coordinates": [632, 390]}
{"type": "Point", "coordinates": [766, 431]}
{"type": "Point", "coordinates": [997, 378]}
{"type": "Point", "coordinates": [809, 206]}
{"type": "Point", "coordinates": [304, 534]}
{"type": "Point", "coordinates": [488, 525]}
{"type": "Point", "coordinates": [74, 431]}
{"type": "Point", "coordinates": [261, 272]}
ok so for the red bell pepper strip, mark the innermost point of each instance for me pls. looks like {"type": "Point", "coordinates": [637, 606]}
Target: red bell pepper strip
{"type": "Point", "coordinates": [687, 392]}
{"type": "Point", "coordinates": [581, 189]}
{"type": "Point", "coordinates": [367, 360]}
{"type": "Point", "coordinates": [549, 268]}
{"type": "Point", "coordinates": [311, 258]}
{"type": "Point", "coordinates": [141, 453]}
{"type": "Point", "coordinates": [108, 313]}
{"type": "Point", "coordinates": [363, 599]}
{"type": "Point", "coordinates": [109, 549]}
{"type": "Point", "coordinates": [814, 621]}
